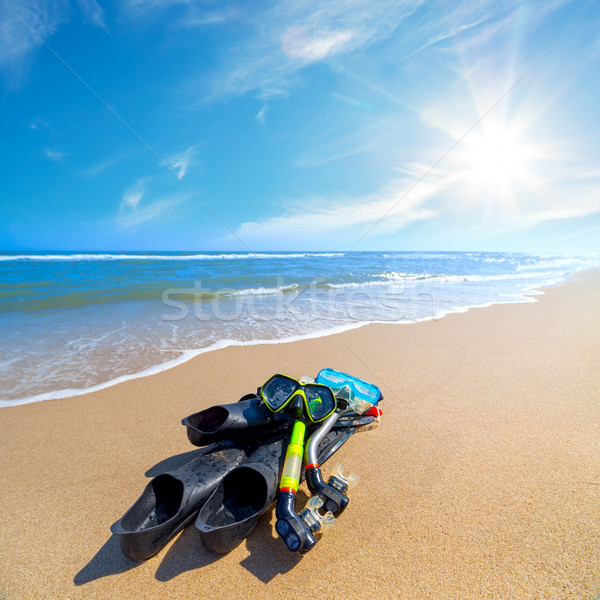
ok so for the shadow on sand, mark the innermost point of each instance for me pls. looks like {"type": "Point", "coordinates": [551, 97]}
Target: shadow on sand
{"type": "Point", "coordinates": [109, 560]}
{"type": "Point", "coordinates": [268, 557]}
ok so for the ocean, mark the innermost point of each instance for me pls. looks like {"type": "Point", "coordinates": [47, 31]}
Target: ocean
{"type": "Point", "coordinates": [76, 322]}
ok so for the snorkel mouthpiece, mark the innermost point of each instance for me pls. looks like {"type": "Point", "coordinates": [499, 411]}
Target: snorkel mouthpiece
{"type": "Point", "coordinates": [313, 518]}
{"type": "Point", "coordinates": [290, 527]}
{"type": "Point", "coordinates": [333, 495]}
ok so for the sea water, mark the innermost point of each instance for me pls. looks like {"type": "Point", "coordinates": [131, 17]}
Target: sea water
{"type": "Point", "coordinates": [74, 322]}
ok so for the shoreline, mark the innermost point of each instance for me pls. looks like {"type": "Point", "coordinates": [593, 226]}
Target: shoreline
{"type": "Point", "coordinates": [481, 480]}
{"type": "Point", "coordinates": [187, 355]}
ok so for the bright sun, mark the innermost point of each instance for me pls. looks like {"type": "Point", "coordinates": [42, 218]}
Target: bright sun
{"type": "Point", "coordinates": [495, 161]}
{"type": "Point", "coordinates": [496, 156]}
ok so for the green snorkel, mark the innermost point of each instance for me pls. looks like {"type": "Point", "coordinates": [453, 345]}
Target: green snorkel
{"type": "Point", "coordinates": [294, 532]}
{"type": "Point", "coordinates": [307, 402]}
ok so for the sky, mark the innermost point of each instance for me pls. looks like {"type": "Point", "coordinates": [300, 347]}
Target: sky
{"type": "Point", "coordinates": [297, 125]}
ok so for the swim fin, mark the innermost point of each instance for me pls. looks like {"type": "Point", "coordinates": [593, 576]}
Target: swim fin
{"type": "Point", "coordinates": [232, 421]}
{"type": "Point", "coordinates": [249, 491]}
{"type": "Point", "coordinates": [172, 499]}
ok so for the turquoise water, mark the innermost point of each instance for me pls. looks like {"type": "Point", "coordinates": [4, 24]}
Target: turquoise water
{"type": "Point", "coordinates": [71, 322]}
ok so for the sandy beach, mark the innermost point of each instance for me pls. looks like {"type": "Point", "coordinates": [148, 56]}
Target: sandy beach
{"type": "Point", "coordinates": [482, 480]}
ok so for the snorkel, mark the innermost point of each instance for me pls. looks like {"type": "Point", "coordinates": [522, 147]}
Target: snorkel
{"type": "Point", "coordinates": [306, 402]}
{"type": "Point", "coordinates": [294, 532]}
{"type": "Point", "coordinates": [314, 402]}
{"type": "Point", "coordinates": [362, 398]}
{"type": "Point", "coordinates": [332, 493]}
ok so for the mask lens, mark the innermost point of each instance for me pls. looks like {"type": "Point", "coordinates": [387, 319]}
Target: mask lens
{"type": "Point", "coordinates": [331, 376]}
{"type": "Point", "coordinates": [321, 401]}
{"type": "Point", "coordinates": [277, 391]}
{"type": "Point", "coordinates": [366, 391]}
{"type": "Point", "coordinates": [341, 381]}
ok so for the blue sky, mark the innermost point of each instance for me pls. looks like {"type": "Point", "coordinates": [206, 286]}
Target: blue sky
{"type": "Point", "coordinates": [348, 124]}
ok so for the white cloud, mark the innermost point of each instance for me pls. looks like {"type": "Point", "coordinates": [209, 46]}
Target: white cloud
{"type": "Point", "coordinates": [16, 39]}
{"type": "Point", "coordinates": [199, 17]}
{"type": "Point", "coordinates": [22, 24]}
{"type": "Point", "coordinates": [298, 43]}
{"type": "Point", "coordinates": [295, 33]}
{"type": "Point", "coordinates": [93, 13]}
{"type": "Point", "coordinates": [154, 211]}
{"type": "Point", "coordinates": [189, 13]}
{"type": "Point", "coordinates": [54, 154]}
{"type": "Point", "coordinates": [145, 6]}
{"type": "Point", "coordinates": [262, 113]}
{"type": "Point", "coordinates": [317, 219]}
{"type": "Point", "coordinates": [133, 212]}
{"type": "Point", "coordinates": [334, 147]}
{"type": "Point", "coordinates": [100, 167]}
{"type": "Point", "coordinates": [442, 194]}
{"type": "Point", "coordinates": [132, 197]}
{"type": "Point", "coordinates": [182, 161]}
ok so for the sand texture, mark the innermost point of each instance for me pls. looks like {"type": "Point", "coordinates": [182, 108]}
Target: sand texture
{"type": "Point", "coordinates": [482, 480]}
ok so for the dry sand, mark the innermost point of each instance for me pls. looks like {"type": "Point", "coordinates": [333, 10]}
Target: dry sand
{"type": "Point", "coordinates": [482, 481]}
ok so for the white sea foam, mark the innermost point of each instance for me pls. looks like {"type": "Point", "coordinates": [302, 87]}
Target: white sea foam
{"type": "Point", "coordinates": [133, 347]}
{"type": "Point", "coordinates": [264, 291]}
{"type": "Point", "coordinates": [186, 355]}
{"type": "Point", "coordinates": [382, 279]}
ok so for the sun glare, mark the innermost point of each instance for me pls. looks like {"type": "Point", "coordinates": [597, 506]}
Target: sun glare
{"type": "Point", "coordinates": [496, 164]}
{"type": "Point", "coordinates": [496, 156]}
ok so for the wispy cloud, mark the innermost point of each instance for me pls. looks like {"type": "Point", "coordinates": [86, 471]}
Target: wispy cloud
{"type": "Point", "coordinates": [199, 17]}
{"type": "Point", "coordinates": [38, 124]}
{"type": "Point", "coordinates": [319, 218]}
{"type": "Point", "coordinates": [102, 166]}
{"type": "Point", "coordinates": [295, 33]}
{"type": "Point", "coordinates": [45, 17]}
{"type": "Point", "coordinates": [184, 13]}
{"type": "Point", "coordinates": [93, 13]}
{"type": "Point", "coordinates": [262, 113]}
{"type": "Point", "coordinates": [16, 41]}
{"type": "Point", "coordinates": [131, 198]}
{"type": "Point", "coordinates": [298, 43]}
{"type": "Point", "coordinates": [423, 194]}
{"type": "Point", "coordinates": [134, 210]}
{"type": "Point", "coordinates": [335, 147]}
{"type": "Point", "coordinates": [181, 161]}
{"type": "Point", "coordinates": [54, 154]}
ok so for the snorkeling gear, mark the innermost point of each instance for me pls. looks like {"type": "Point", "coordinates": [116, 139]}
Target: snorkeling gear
{"type": "Point", "coordinates": [233, 482]}
{"type": "Point", "coordinates": [329, 500]}
{"type": "Point", "coordinates": [249, 491]}
{"type": "Point", "coordinates": [332, 493]}
{"type": "Point", "coordinates": [171, 499]}
{"type": "Point", "coordinates": [234, 508]}
{"type": "Point", "coordinates": [229, 421]}
{"type": "Point", "coordinates": [280, 391]}
{"type": "Point", "coordinates": [294, 532]}
{"type": "Point", "coordinates": [297, 530]}
{"type": "Point", "coordinates": [361, 395]}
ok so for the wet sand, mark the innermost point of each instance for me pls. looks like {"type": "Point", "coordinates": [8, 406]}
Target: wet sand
{"type": "Point", "coordinates": [482, 480]}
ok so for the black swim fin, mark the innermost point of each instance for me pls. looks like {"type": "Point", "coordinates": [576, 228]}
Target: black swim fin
{"type": "Point", "coordinates": [243, 496]}
{"type": "Point", "coordinates": [249, 491]}
{"type": "Point", "coordinates": [233, 421]}
{"type": "Point", "coordinates": [172, 499]}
